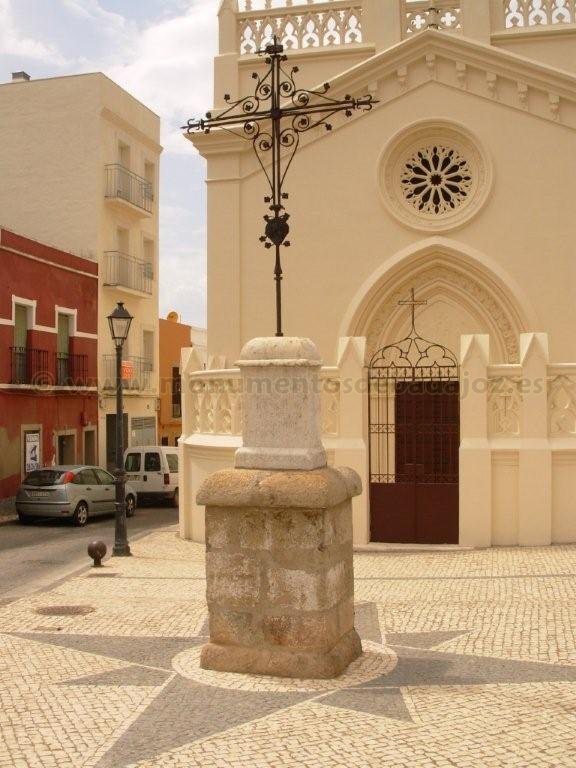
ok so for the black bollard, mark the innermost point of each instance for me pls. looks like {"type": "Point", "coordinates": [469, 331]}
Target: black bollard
{"type": "Point", "coordinates": [97, 550]}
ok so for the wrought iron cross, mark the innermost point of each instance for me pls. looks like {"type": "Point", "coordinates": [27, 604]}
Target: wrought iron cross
{"type": "Point", "coordinates": [273, 119]}
{"type": "Point", "coordinates": [412, 303]}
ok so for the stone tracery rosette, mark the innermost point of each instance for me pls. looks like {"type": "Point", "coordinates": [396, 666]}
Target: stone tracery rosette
{"type": "Point", "coordinates": [434, 176]}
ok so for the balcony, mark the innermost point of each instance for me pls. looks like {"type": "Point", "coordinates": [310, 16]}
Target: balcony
{"type": "Point", "coordinates": [123, 270]}
{"type": "Point", "coordinates": [130, 191]}
{"type": "Point", "coordinates": [71, 370]}
{"type": "Point", "coordinates": [135, 373]}
{"type": "Point", "coordinates": [29, 366]}
{"type": "Point", "coordinates": [33, 367]}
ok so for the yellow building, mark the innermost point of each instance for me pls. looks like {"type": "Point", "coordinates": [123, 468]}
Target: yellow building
{"type": "Point", "coordinates": [80, 168]}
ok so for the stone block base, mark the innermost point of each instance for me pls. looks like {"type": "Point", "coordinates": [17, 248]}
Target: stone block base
{"type": "Point", "coordinates": [279, 573]}
{"type": "Point", "coordinates": [283, 662]}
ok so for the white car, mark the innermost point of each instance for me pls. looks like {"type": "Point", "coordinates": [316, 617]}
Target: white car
{"type": "Point", "coordinates": [76, 492]}
{"type": "Point", "coordinates": [153, 471]}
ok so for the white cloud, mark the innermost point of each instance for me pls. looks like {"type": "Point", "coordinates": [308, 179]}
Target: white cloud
{"type": "Point", "coordinates": [92, 10]}
{"type": "Point", "coordinates": [14, 43]}
{"type": "Point", "coordinates": [171, 71]}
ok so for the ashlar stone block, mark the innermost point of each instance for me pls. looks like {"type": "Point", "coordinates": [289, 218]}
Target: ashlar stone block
{"type": "Point", "coordinates": [279, 572]}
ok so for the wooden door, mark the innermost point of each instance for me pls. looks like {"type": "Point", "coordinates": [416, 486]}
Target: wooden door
{"type": "Point", "coordinates": [419, 501]}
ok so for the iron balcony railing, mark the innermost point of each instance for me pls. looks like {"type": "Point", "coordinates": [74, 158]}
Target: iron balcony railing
{"type": "Point", "coordinates": [32, 366]}
{"type": "Point", "coordinates": [124, 185]}
{"type": "Point", "coordinates": [127, 271]}
{"type": "Point", "coordinates": [135, 372]}
{"type": "Point", "coordinates": [71, 370]}
{"type": "Point", "coordinates": [29, 366]}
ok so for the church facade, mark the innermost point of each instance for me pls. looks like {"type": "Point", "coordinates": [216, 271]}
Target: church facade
{"type": "Point", "coordinates": [432, 262]}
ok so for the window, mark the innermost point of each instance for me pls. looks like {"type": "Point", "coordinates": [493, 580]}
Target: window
{"type": "Point", "coordinates": [62, 351]}
{"type": "Point", "coordinates": [148, 253]}
{"type": "Point", "coordinates": [123, 239]}
{"type": "Point", "coordinates": [124, 154]}
{"type": "Point", "coordinates": [42, 478]}
{"type": "Point", "coordinates": [148, 350]}
{"type": "Point", "coordinates": [20, 326]}
{"type": "Point", "coordinates": [85, 477]}
{"type": "Point", "coordinates": [172, 459]}
{"type": "Point", "coordinates": [152, 462]}
{"type": "Point", "coordinates": [104, 478]}
{"type": "Point", "coordinates": [149, 172]}
{"type": "Point", "coordinates": [133, 462]}
{"type": "Point", "coordinates": [143, 430]}
{"type": "Point", "coordinates": [149, 175]}
{"type": "Point", "coordinates": [19, 355]}
{"type": "Point", "coordinates": [176, 393]}
{"type": "Point", "coordinates": [66, 448]}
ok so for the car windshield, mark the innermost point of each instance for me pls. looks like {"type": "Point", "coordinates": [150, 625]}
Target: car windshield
{"type": "Point", "coordinates": [41, 477]}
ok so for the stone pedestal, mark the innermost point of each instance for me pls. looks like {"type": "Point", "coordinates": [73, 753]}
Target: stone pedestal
{"type": "Point", "coordinates": [279, 572]}
{"type": "Point", "coordinates": [279, 568]}
{"type": "Point", "coordinates": [281, 405]}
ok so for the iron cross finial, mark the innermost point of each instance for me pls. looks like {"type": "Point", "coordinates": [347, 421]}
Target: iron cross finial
{"type": "Point", "coordinates": [273, 119]}
{"type": "Point", "coordinates": [412, 303]}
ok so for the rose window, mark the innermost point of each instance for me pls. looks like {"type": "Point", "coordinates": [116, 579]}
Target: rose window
{"type": "Point", "coordinates": [434, 175]}
{"type": "Point", "coordinates": [436, 180]}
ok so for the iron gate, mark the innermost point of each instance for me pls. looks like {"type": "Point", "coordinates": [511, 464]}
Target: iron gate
{"type": "Point", "coordinates": [414, 429]}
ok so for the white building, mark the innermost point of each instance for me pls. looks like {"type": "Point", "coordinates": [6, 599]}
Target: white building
{"type": "Point", "coordinates": [457, 185]}
{"type": "Point", "coordinates": [80, 167]}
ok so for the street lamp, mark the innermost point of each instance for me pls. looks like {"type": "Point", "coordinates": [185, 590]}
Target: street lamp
{"type": "Point", "coordinates": [119, 322]}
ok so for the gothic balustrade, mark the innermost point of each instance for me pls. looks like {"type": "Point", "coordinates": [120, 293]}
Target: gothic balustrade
{"type": "Point", "coordinates": [535, 13]}
{"type": "Point", "coordinates": [299, 25]}
{"type": "Point", "coordinates": [215, 405]}
{"type": "Point", "coordinates": [418, 15]}
{"type": "Point", "coordinates": [506, 389]}
{"type": "Point", "coordinates": [325, 23]}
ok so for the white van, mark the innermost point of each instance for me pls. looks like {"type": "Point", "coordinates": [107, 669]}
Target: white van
{"type": "Point", "coordinates": [152, 470]}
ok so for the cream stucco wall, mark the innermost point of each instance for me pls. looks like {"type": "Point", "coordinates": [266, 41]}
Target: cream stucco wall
{"type": "Point", "coordinates": [342, 233]}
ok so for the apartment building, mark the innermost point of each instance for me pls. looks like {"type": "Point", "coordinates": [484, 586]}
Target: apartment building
{"type": "Point", "coordinates": [48, 358]}
{"type": "Point", "coordinates": [80, 163]}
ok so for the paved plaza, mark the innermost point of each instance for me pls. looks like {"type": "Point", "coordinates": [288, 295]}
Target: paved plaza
{"type": "Point", "coordinates": [470, 661]}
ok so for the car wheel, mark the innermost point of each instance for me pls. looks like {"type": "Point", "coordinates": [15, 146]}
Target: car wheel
{"type": "Point", "coordinates": [23, 519]}
{"type": "Point", "coordinates": [175, 499]}
{"type": "Point", "coordinates": [130, 506]}
{"type": "Point", "coordinates": [80, 515]}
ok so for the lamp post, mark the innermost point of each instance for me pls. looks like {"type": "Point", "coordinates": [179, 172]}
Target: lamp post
{"type": "Point", "coordinates": [119, 322]}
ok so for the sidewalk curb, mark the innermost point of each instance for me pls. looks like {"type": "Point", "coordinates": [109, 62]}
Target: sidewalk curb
{"type": "Point", "coordinates": [82, 569]}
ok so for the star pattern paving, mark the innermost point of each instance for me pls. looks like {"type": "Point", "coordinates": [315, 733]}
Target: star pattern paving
{"type": "Point", "coordinates": [183, 711]}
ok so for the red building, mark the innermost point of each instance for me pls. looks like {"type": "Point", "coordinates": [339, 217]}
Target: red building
{"type": "Point", "coordinates": [48, 358]}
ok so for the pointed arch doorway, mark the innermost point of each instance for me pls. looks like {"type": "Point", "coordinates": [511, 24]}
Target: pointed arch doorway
{"type": "Point", "coordinates": [414, 430]}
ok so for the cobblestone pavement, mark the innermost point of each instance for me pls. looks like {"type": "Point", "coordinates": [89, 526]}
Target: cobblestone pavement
{"type": "Point", "coordinates": [469, 661]}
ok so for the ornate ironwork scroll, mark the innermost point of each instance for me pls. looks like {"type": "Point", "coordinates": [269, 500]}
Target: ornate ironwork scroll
{"type": "Point", "coordinates": [273, 118]}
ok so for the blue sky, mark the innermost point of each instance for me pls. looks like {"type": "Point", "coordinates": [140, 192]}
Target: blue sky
{"type": "Point", "coordinates": [160, 51]}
